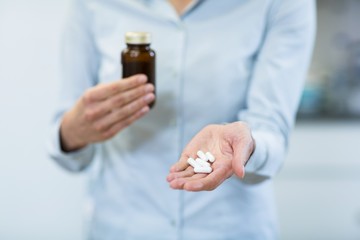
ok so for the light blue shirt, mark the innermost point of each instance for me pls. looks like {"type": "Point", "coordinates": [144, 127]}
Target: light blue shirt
{"type": "Point", "coordinates": [221, 61]}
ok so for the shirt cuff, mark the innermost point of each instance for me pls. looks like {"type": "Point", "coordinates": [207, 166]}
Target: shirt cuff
{"type": "Point", "coordinates": [73, 161]}
{"type": "Point", "coordinates": [262, 161]}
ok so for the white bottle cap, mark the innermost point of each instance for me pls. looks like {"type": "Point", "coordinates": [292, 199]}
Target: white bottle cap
{"type": "Point", "coordinates": [138, 38]}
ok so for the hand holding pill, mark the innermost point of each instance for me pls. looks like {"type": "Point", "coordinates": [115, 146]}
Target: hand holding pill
{"type": "Point", "coordinates": [212, 156]}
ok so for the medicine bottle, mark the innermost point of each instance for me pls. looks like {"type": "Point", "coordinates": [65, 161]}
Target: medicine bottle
{"type": "Point", "coordinates": [138, 57]}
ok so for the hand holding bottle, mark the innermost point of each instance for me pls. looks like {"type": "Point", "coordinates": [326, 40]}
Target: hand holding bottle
{"type": "Point", "coordinates": [104, 110]}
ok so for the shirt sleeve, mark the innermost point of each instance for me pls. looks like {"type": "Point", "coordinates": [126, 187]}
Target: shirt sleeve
{"type": "Point", "coordinates": [277, 82]}
{"type": "Point", "coordinates": [79, 60]}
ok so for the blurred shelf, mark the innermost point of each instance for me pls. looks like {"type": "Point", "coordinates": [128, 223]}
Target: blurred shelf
{"type": "Point", "coordinates": [327, 118]}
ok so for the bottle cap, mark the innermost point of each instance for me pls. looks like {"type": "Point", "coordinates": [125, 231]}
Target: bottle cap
{"type": "Point", "coordinates": [138, 38]}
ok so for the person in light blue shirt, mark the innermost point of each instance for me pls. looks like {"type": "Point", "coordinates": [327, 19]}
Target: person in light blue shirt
{"type": "Point", "coordinates": [237, 62]}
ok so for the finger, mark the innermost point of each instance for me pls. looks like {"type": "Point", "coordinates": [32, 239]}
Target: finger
{"type": "Point", "coordinates": [188, 172]}
{"type": "Point", "coordinates": [181, 165]}
{"type": "Point", "coordinates": [208, 183]}
{"type": "Point", "coordinates": [128, 96]}
{"type": "Point", "coordinates": [125, 123]}
{"type": "Point", "coordinates": [123, 113]}
{"type": "Point", "coordinates": [106, 90]}
{"type": "Point", "coordinates": [179, 183]}
{"type": "Point", "coordinates": [242, 152]}
{"type": "Point", "coordinates": [97, 111]}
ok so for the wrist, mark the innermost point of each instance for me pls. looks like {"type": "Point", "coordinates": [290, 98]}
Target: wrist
{"type": "Point", "coordinates": [69, 141]}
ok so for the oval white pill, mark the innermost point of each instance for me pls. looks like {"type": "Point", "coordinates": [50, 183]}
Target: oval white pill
{"type": "Point", "coordinates": [203, 170]}
{"type": "Point", "coordinates": [202, 163]}
{"type": "Point", "coordinates": [202, 155]}
{"type": "Point", "coordinates": [193, 163]}
{"type": "Point", "coordinates": [210, 157]}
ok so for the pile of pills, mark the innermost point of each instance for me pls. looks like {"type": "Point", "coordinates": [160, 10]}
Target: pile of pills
{"type": "Point", "coordinates": [202, 163]}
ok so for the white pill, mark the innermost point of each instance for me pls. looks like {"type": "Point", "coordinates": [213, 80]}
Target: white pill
{"type": "Point", "coordinates": [193, 163]}
{"type": "Point", "coordinates": [202, 163]}
{"type": "Point", "coordinates": [210, 157]}
{"type": "Point", "coordinates": [202, 155]}
{"type": "Point", "coordinates": [203, 170]}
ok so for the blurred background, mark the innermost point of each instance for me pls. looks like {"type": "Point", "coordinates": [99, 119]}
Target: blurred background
{"type": "Point", "coordinates": [318, 189]}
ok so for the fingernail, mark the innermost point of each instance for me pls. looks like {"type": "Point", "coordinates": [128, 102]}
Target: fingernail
{"type": "Point", "coordinates": [169, 178]}
{"type": "Point", "coordinates": [142, 78]}
{"type": "Point", "coordinates": [176, 184]}
{"type": "Point", "coordinates": [149, 97]}
{"type": "Point", "coordinates": [145, 109]}
{"type": "Point", "coordinates": [243, 175]}
{"type": "Point", "coordinates": [149, 88]}
{"type": "Point", "coordinates": [173, 169]}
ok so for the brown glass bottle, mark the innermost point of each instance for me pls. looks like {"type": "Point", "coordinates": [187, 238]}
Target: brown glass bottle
{"type": "Point", "coordinates": [138, 57]}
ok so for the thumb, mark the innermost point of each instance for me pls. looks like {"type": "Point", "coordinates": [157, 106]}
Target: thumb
{"type": "Point", "coordinates": [242, 152]}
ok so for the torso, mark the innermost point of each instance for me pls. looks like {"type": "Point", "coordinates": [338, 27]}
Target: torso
{"type": "Point", "coordinates": [203, 67]}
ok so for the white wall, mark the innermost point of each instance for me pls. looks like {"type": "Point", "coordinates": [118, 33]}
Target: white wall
{"type": "Point", "coordinates": [37, 199]}
{"type": "Point", "coordinates": [317, 191]}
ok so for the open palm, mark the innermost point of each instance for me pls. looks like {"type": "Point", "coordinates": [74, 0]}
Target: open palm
{"type": "Point", "coordinates": [231, 145]}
